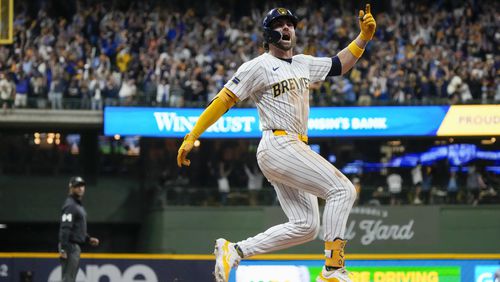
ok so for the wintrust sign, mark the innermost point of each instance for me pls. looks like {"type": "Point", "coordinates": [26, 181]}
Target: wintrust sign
{"type": "Point", "coordinates": [175, 123]}
{"type": "Point", "coordinates": [170, 121]}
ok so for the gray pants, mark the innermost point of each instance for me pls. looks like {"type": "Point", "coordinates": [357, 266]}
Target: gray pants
{"type": "Point", "coordinates": [69, 266]}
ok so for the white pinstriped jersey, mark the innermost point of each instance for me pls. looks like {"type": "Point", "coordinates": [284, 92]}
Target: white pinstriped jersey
{"type": "Point", "coordinates": [280, 89]}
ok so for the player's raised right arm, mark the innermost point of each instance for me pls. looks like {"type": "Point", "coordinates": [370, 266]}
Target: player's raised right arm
{"type": "Point", "coordinates": [224, 100]}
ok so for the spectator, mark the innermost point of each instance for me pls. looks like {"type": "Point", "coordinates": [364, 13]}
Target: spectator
{"type": "Point", "coordinates": [86, 96]}
{"type": "Point", "coordinates": [254, 183]}
{"type": "Point", "coordinates": [110, 92]}
{"type": "Point", "coordinates": [426, 185]}
{"type": "Point", "coordinates": [452, 188]}
{"type": "Point", "coordinates": [395, 184]}
{"type": "Point", "coordinates": [6, 91]}
{"type": "Point", "coordinates": [123, 60]}
{"type": "Point", "coordinates": [163, 93]}
{"type": "Point", "coordinates": [150, 89]}
{"type": "Point", "coordinates": [419, 59]}
{"type": "Point", "coordinates": [96, 87]}
{"type": "Point", "coordinates": [223, 183]}
{"type": "Point", "coordinates": [56, 91]}
{"type": "Point", "coordinates": [458, 88]}
{"type": "Point", "coordinates": [39, 90]}
{"type": "Point", "coordinates": [365, 97]}
{"type": "Point", "coordinates": [378, 196]}
{"type": "Point", "coordinates": [22, 88]}
{"type": "Point", "coordinates": [74, 94]}
{"type": "Point", "coordinates": [417, 178]}
{"type": "Point", "coordinates": [474, 184]}
{"type": "Point", "coordinates": [348, 91]}
{"type": "Point", "coordinates": [176, 95]}
{"type": "Point", "coordinates": [127, 92]}
{"type": "Point", "coordinates": [357, 185]}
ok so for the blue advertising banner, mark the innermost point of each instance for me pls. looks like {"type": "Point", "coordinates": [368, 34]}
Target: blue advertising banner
{"type": "Point", "coordinates": [375, 121]}
{"type": "Point", "coordinates": [244, 122]}
{"type": "Point", "coordinates": [112, 270]}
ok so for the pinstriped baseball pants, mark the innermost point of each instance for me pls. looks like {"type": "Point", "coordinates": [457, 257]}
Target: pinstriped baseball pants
{"type": "Point", "coordinates": [299, 176]}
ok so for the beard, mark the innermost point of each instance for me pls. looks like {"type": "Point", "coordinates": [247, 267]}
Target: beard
{"type": "Point", "coordinates": [287, 47]}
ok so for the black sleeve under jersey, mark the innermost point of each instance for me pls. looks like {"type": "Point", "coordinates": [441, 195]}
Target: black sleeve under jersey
{"type": "Point", "coordinates": [336, 68]}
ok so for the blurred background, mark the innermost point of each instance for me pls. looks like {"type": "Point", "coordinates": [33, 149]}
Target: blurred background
{"type": "Point", "coordinates": [75, 74]}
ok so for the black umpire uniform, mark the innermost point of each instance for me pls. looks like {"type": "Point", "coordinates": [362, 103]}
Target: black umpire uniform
{"type": "Point", "coordinates": [73, 230]}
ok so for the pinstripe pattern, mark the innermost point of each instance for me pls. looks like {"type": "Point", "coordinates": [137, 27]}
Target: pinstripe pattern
{"type": "Point", "coordinates": [280, 90]}
{"type": "Point", "coordinates": [288, 111]}
{"type": "Point", "coordinates": [299, 176]}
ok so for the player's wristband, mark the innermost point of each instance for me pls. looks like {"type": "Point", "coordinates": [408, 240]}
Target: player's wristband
{"type": "Point", "coordinates": [355, 50]}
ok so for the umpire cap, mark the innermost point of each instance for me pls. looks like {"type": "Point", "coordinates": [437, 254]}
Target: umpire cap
{"type": "Point", "coordinates": [76, 181]}
{"type": "Point", "coordinates": [270, 35]}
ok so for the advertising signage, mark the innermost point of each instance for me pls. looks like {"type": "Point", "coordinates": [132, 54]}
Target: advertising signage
{"type": "Point", "coordinates": [44, 267]}
{"type": "Point", "coordinates": [376, 121]}
{"type": "Point", "coordinates": [487, 273]}
{"type": "Point", "coordinates": [300, 273]}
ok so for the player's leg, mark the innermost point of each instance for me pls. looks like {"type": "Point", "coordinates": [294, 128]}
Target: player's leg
{"type": "Point", "coordinates": [294, 164]}
{"type": "Point", "coordinates": [296, 171]}
{"type": "Point", "coordinates": [302, 211]}
{"type": "Point", "coordinates": [339, 202]}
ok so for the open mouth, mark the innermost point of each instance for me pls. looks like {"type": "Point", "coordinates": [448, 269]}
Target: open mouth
{"type": "Point", "coordinates": [285, 37]}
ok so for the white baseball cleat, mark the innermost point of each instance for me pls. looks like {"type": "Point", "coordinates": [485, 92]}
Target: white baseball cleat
{"type": "Point", "coordinates": [338, 275]}
{"type": "Point", "coordinates": [226, 257]}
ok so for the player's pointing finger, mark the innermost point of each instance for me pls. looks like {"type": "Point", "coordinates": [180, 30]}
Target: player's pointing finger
{"type": "Point", "coordinates": [368, 9]}
{"type": "Point", "coordinates": [361, 14]}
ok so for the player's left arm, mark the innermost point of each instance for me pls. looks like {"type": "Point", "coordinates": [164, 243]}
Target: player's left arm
{"type": "Point", "coordinates": [350, 55]}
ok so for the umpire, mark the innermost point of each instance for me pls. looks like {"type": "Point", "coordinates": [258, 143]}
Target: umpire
{"type": "Point", "coordinates": [73, 230]}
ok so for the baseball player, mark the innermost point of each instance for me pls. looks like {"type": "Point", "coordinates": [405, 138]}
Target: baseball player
{"type": "Point", "coordinates": [278, 82]}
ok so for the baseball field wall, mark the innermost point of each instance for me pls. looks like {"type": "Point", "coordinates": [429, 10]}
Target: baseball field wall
{"type": "Point", "coordinates": [37, 199]}
{"type": "Point", "coordinates": [120, 215]}
{"type": "Point", "coordinates": [403, 229]}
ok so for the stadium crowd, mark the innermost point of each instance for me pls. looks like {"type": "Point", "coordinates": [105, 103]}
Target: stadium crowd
{"type": "Point", "coordinates": [424, 52]}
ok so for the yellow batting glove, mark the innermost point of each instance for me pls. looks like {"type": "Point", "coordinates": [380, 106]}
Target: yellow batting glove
{"type": "Point", "coordinates": [367, 24]}
{"type": "Point", "coordinates": [186, 147]}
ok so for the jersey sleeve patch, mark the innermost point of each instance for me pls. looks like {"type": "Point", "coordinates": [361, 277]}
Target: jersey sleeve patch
{"type": "Point", "coordinates": [235, 80]}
